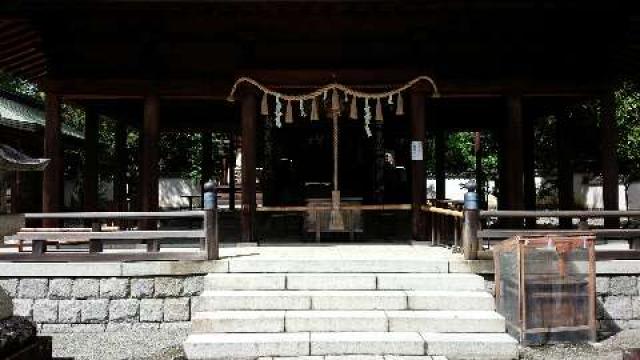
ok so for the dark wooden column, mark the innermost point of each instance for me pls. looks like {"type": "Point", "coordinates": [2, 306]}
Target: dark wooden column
{"type": "Point", "coordinates": [120, 176]}
{"type": "Point", "coordinates": [149, 167]}
{"type": "Point", "coordinates": [514, 154]}
{"type": "Point", "coordinates": [528, 169]}
{"type": "Point", "coordinates": [206, 157]}
{"type": "Point", "coordinates": [565, 168]}
{"type": "Point", "coordinates": [248, 112]}
{"type": "Point", "coordinates": [52, 179]}
{"type": "Point", "coordinates": [609, 158]}
{"type": "Point", "coordinates": [378, 171]}
{"type": "Point", "coordinates": [233, 141]}
{"type": "Point", "coordinates": [441, 177]}
{"type": "Point", "coordinates": [418, 134]}
{"type": "Point", "coordinates": [90, 173]}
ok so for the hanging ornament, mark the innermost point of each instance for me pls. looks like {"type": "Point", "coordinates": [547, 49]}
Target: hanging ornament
{"type": "Point", "coordinates": [335, 101]}
{"type": "Point", "coordinates": [302, 112]}
{"type": "Point", "coordinates": [288, 115]}
{"type": "Point", "coordinates": [278, 112]}
{"type": "Point", "coordinates": [367, 117]}
{"type": "Point", "coordinates": [314, 110]}
{"type": "Point", "coordinates": [324, 95]}
{"type": "Point", "coordinates": [346, 97]}
{"type": "Point", "coordinates": [353, 113]}
{"type": "Point", "coordinates": [390, 100]}
{"type": "Point", "coordinates": [264, 106]}
{"type": "Point", "coordinates": [400, 106]}
{"type": "Point", "coordinates": [379, 111]}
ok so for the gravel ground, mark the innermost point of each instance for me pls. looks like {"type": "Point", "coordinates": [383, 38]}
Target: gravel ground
{"type": "Point", "coordinates": [167, 345]}
{"type": "Point", "coordinates": [612, 348]}
{"type": "Point", "coordinates": [138, 345]}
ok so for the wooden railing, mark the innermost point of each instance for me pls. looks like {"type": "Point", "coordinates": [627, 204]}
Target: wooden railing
{"type": "Point", "coordinates": [40, 239]}
{"type": "Point", "coordinates": [473, 233]}
{"type": "Point", "coordinates": [443, 223]}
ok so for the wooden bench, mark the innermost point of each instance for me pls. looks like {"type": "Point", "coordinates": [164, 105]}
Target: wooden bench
{"type": "Point", "coordinates": [40, 238]}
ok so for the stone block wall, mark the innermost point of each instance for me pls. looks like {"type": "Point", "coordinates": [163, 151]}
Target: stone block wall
{"type": "Point", "coordinates": [96, 304]}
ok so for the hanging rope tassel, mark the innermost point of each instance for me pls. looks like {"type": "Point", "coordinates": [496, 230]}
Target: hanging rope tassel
{"type": "Point", "coordinates": [288, 115]}
{"type": "Point", "coordinates": [400, 106]}
{"type": "Point", "coordinates": [379, 111]}
{"type": "Point", "coordinates": [264, 105]}
{"type": "Point", "coordinates": [314, 110]}
{"type": "Point", "coordinates": [353, 113]}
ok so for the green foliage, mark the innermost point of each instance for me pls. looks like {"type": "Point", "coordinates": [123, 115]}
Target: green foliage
{"type": "Point", "coordinates": [628, 120]}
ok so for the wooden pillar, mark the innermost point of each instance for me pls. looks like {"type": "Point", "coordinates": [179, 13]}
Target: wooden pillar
{"type": "Point", "coordinates": [514, 153]}
{"type": "Point", "coordinates": [90, 173]}
{"type": "Point", "coordinates": [206, 158]}
{"type": "Point", "coordinates": [565, 168]}
{"type": "Point", "coordinates": [378, 181]}
{"type": "Point", "coordinates": [441, 177]}
{"type": "Point", "coordinates": [248, 118]}
{"type": "Point", "coordinates": [149, 166]}
{"type": "Point", "coordinates": [609, 133]}
{"type": "Point", "coordinates": [529, 173]}
{"type": "Point", "coordinates": [120, 176]}
{"type": "Point", "coordinates": [418, 137]}
{"type": "Point", "coordinates": [52, 178]}
{"type": "Point", "coordinates": [232, 171]}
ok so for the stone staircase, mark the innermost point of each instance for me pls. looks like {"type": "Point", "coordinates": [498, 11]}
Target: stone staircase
{"type": "Point", "coordinates": [335, 307]}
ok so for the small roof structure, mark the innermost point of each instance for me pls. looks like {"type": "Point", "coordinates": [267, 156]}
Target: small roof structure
{"type": "Point", "coordinates": [19, 115]}
{"type": "Point", "coordinates": [14, 160]}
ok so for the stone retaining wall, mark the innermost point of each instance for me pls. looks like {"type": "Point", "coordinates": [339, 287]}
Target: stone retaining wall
{"type": "Point", "coordinates": [96, 304]}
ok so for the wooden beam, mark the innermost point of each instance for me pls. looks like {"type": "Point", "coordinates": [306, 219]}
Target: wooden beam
{"type": "Point", "coordinates": [149, 166]}
{"type": "Point", "coordinates": [90, 171]}
{"type": "Point", "coordinates": [382, 78]}
{"type": "Point", "coordinates": [418, 137]}
{"type": "Point", "coordinates": [248, 112]}
{"type": "Point", "coordinates": [609, 160]}
{"type": "Point", "coordinates": [52, 184]}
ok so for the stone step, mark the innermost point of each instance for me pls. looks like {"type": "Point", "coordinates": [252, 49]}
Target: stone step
{"type": "Point", "coordinates": [238, 322]}
{"type": "Point", "coordinates": [446, 321]}
{"type": "Point", "coordinates": [343, 300]}
{"type": "Point", "coordinates": [430, 282]}
{"type": "Point", "coordinates": [367, 343]}
{"type": "Point", "coordinates": [349, 281]}
{"type": "Point", "coordinates": [493, 346]}
{"type": "Point", "coordinates": [228, 346]}
{"type": "Point", "coordinates": [338, 265]}
{"type": "Point", "coordinates": [347, 321]}
{"type": "Point", "coordinates": [450, 300]}
{"type": "Point", "coordinates": [356, 357]}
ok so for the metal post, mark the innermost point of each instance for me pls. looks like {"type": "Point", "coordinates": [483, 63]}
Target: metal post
{"type": "Point", "coordinates": [210, 225]}
{"type": "Point", "coordinates": [470, 223]}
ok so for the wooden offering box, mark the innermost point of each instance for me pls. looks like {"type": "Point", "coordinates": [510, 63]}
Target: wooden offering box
{"type": "Point", "coordinates": [545, 288]}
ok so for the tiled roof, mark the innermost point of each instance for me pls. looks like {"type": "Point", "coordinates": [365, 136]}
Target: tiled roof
{"type": "Point", "coordinates": [21, 116]}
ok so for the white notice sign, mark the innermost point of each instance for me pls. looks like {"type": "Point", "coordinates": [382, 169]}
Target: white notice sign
{"type": "Point", "coordinates": [416, 150]}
